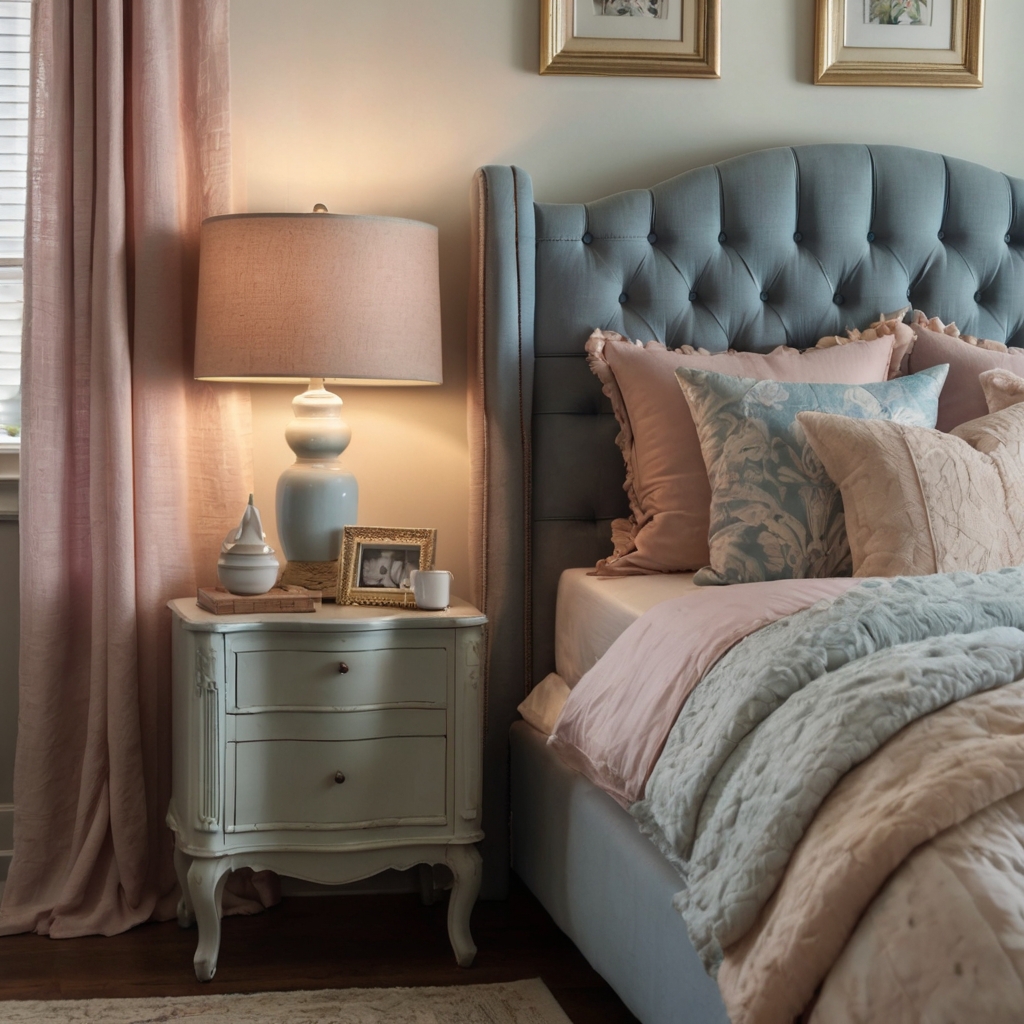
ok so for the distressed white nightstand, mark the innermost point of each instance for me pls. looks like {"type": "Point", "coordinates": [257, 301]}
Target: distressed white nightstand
{"type": "Point", "coordinates": [326, 746]}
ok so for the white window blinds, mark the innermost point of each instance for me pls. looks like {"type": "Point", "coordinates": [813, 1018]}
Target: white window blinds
{"type": "Point", "coordinates": [14, 72]}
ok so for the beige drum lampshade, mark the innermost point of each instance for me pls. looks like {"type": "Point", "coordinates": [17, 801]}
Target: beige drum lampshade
{"type": "Point", "coordinates": [353, 300]}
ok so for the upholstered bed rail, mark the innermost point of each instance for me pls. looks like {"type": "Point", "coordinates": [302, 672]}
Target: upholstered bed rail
{"type": "Point", "coordinates": [777, 247]}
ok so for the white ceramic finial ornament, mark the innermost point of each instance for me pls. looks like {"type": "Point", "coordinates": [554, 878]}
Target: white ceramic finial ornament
{"type": "Point", "coordinates": [247, 564]}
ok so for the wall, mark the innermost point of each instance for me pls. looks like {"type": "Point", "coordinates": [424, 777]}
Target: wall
{"type": "Point", "coordinates": [388, 108]}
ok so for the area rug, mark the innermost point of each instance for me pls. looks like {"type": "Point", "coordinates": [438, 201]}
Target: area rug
{"type": "Point", "coordinates": [516, 1002]}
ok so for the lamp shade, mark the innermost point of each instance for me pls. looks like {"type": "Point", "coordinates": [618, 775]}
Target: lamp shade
{"type": "Point", "coordinates": [353, 300]}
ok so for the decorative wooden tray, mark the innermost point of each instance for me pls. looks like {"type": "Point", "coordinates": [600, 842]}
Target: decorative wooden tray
{"type": "Point", "coordinates": [280, 599]}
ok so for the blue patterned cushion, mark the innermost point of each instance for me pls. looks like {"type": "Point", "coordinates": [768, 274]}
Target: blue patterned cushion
{"type": "Point", "coordinates": [775, 514]}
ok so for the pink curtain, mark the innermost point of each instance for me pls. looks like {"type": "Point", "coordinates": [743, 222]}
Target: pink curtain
{"type": "Point", "coordinates": [131, 471]}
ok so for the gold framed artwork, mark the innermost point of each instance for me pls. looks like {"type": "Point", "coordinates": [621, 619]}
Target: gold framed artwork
{"type": "Point", "coordinates": [376, 563]}
{"type": "Point", "coordinates": [630, 37]}
{"type": "Point", "coordinates": [899, 42]}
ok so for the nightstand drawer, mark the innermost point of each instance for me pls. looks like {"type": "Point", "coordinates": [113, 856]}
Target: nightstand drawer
{"type": "Point", "coordinates": [386, 677]}
{"type": "Point", "coordinates": [293, 784]}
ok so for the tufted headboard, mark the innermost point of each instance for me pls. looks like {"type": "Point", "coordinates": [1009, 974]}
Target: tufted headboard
{"type": "Point", "coordinates": [776, 247]}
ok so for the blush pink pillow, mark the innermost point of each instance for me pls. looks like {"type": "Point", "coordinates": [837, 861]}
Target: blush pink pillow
{"type": "Point", "coordinates": [666, 481]}
{"type": "Point", "coordinates": [903, 337]}
{"type": "Point", "coordinates": [1001, 389]}
{"type": "Point", "coordinates": [962, 397]}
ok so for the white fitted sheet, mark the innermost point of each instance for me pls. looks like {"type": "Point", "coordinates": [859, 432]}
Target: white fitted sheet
{"type": "Point", "coordinates": [592, 611]}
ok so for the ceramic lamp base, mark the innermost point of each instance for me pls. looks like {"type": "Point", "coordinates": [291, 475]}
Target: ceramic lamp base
{"type": "Point", "coordinates": [316, 496]}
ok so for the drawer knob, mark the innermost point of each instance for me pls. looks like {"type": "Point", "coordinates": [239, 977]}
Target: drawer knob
{"type": "Point", "coordinates": [343, 668]}
{"type": "Point", "coordinates": [339, 777]}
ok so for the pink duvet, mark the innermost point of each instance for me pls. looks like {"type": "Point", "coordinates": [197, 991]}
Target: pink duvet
{"type": "Point", "coordinates": [618, 716]}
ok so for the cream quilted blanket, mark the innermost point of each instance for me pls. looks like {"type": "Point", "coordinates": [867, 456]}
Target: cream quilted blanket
{"type": "Point", "coordinates": [927, 837]}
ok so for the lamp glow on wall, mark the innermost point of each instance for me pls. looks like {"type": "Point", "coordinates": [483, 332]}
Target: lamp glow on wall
{"type": "Point", "coordinates": [325, 298]}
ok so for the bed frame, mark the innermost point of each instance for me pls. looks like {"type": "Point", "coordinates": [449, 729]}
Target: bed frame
{"type": "Point", "coordinates": [776, 247]}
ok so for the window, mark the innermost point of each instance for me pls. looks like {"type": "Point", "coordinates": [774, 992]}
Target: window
{"type": "Point", "coordinates": [14, 74]}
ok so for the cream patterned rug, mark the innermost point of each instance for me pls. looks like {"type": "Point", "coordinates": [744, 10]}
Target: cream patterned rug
{"type": "Point", "coordinates": [516, 1002]}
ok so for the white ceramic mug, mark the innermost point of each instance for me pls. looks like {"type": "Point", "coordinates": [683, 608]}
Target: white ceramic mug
{"type": "Point", "coordinates": [432, 588]}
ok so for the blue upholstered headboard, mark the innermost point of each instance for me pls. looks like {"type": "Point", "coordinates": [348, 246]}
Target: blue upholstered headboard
{"type": "Point", "coordinates": [776, 247]}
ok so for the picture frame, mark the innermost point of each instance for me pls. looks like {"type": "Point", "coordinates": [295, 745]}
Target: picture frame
{"type": "Point", "coordinates": [654, 38]}
{"type": "Point", "coordinates": [376, 560]}
{"type": "Point", "coordinates": [899, 43]}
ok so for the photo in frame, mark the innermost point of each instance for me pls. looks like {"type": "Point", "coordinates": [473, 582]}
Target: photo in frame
{"type": "Point", "coordinates": [672, 38]}
{"type": "Point", "coordinates": [899, 42]}
{"type": "Point", "coordinates": [376, 562]}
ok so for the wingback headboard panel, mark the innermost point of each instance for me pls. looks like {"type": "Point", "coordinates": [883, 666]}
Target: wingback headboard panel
{"type": "Point", "coordinates": [776, 247]}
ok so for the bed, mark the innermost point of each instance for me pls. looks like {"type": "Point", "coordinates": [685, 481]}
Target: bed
{"type": "Point", "coordinates": [778, 247]}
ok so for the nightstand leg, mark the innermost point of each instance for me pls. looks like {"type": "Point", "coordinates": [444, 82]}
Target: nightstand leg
{"type": "Point", "coordinates": [206, 880]}
{"type": "Point", "coordinates": [186, 915]}
{"type": "Point", "coordinates": [465, 864]}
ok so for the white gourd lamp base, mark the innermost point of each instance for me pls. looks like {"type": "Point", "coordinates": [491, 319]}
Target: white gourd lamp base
{"type": "Point", "coordinates": [316, 496]}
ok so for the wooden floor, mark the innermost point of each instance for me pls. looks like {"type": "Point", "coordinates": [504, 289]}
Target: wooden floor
{"type": "Point", "coordinates": [318, 942]}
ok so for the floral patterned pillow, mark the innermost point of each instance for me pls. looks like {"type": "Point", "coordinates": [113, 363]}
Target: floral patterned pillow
{"type": "Point", "coordinates": [775, 514]}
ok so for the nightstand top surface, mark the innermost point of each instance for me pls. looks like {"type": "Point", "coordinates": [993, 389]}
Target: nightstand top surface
{"type": "Point", "coordinates": [328, 616]}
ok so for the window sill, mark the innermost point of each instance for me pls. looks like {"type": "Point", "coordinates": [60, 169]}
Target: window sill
{"type": "Point", "coordinates": [10, 463]}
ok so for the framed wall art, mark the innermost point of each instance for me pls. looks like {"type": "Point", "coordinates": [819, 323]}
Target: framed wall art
{"type": "Point", "coordinates": [899, 42]}
{"type": "Point", "coordinates": [376, 563]}
{"type": "Point", "coordinates": [630, 37]}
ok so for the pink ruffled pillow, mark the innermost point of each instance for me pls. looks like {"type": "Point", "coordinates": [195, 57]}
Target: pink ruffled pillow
{"type": "Point", "coordinates": [1001, 389]}
{"type": "Point", "coordinates": [666, 480]}
{"type": "Point", "coordinates": [962, 398]}
{"type": "Point", "coordinates": [888, 325]}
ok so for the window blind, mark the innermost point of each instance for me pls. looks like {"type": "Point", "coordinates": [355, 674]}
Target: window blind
{"type": "Point", "coordinates": [14, 71]}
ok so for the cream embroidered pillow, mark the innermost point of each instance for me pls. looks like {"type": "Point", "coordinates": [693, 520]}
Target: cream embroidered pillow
{"type": "Point", "coordinates": [918, 501]}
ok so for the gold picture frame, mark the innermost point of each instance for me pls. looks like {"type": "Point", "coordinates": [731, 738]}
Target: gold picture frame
{"type": "Point", "coordinates": [688, 46]}
{"type": "Point", "coordinates": [375, 561]}
{"type": "Point", "coordinates": [840, 61]}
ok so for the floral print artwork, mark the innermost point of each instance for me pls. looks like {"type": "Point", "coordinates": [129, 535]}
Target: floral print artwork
{"type": "Point", "coordinates": [897, 12]}
{"type": "Point", "coordinates": [775, 514]}
{"type": "Point", "coordinates": [631, 8]}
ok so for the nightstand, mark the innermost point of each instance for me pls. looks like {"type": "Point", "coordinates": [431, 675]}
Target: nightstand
{"type": "Point", "coordinates": [326, 746]}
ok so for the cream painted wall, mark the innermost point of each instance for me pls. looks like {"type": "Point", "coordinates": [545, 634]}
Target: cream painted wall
{"type": "Point", "coordinates": [389, 107]}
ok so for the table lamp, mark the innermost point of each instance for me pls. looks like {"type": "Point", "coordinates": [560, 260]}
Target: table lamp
{"type": "Point", "coordinates": [325, 298]}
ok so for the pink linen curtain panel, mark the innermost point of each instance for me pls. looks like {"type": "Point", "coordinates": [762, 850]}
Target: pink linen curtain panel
{"type": "Point", "coordinates": [131, 472]}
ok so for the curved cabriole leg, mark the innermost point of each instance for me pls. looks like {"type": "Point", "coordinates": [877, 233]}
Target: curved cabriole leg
{"type": "Point", "coordinates": [186, 915]}
{"type": "Point", "coordinates": [464, 862]}
{"type": "Point", "coordinates": [206, 880]}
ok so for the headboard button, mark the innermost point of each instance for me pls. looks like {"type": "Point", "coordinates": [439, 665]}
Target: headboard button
{"type": "Point", "coordinates": [721, 236]}
{"type": "Point", "coordinates": [652, 238]}
{"type": "Point", "coordinates": [1006, 238]}
{"type": "Point", "coordinates": [693, 296]}
{"type": "Point", "coordinates": [623, 298]}
{"type": "Point", "coordinates": [871, 236]}
{"type": "Point", "coordinates": [797, 237]}
{"type": "Point", "coordinates": [977, 296]}
{"type": "Point", "coordinates": [942, 235]}
{"type": "Point", "coordinates": [838, 299]}
{"type": "Point", "coordinates": [764, 296]}
{"type": "Point", "coordinates": [588, 238]}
